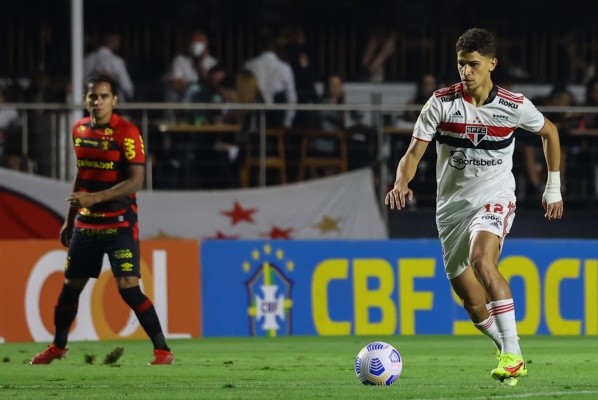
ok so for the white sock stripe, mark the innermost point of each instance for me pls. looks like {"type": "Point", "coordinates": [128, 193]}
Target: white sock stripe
{"type": "Point", "coordinates": [497, 303]}
{"type": "Point", "coordinates": [486, 324]}
{"type": "Point", "coordinates": [502, 309]}
{"type": "Point", "coordinates": [503, 312]}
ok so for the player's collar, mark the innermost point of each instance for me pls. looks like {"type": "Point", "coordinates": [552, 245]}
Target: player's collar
{"type": "Point", "coordinates": [489, 99]}
{"type": "Point", "coordinates": [492, 95]}
{"type": "Point", "coordinates": [110, 124]}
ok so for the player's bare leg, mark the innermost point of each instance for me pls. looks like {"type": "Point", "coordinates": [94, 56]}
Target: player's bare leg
{"type": "Point", "coordinates": [484, 253]}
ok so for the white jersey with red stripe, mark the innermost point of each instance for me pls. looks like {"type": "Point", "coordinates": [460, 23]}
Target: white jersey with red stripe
{"type": "Point", "coordinates": [474, 146]}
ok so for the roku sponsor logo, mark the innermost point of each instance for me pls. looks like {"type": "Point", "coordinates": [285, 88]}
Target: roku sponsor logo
{"type": "Point", "coordinates": [508, 103]}
{"type": "Point", "coordinates": [448, 99]}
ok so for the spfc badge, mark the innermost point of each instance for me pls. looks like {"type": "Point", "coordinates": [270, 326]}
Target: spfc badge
{"type": "Point", "coordinates": [476, 133]}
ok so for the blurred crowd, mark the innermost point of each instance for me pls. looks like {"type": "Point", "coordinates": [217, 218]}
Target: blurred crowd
{"type": "Point", "coordinates": [281, 71]}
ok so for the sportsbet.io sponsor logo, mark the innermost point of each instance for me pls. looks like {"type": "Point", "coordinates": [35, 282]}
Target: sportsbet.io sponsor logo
{"type": "Point", "coordinates": [459, 160]}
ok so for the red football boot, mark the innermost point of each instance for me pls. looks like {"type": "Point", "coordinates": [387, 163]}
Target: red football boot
{"type": "Point", "coordinates": [50, 354]}
{"type": "Point", "coordinates": [162, 357]}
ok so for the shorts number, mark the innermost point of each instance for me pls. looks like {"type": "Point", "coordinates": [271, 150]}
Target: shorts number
{"type": "Point", "coordinates": [495, 208]}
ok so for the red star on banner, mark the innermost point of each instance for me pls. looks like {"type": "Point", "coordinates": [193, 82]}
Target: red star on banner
{"type": "Point", "coordinates": [222, 236]}
{"type": "Point", "coordinates": [278, 233]}
{"type": "Point", "coordinates": [238, 214]}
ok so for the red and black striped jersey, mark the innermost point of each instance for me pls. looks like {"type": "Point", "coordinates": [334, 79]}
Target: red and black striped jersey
{"type": "Point", "coordinates": [104, 154]}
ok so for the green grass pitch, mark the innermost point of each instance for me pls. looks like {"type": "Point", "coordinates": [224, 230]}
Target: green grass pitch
{"type": "Point", "coordinates": [435, 367]}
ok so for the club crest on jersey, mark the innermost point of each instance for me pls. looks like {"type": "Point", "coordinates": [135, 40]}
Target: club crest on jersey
{"type": "Point", "coordinates": [476, 133]}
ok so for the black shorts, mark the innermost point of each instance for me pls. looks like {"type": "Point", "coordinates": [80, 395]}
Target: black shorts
{"type": "Point", "coordinates": [87, 249]}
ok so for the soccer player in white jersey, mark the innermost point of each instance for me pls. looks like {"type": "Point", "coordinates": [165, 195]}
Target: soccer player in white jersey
{"type": "Point", "coordinates": [473, 123]}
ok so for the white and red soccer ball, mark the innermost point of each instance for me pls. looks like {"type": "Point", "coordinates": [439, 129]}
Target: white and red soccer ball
{"type": "Point", "coordinates": [378, 363]}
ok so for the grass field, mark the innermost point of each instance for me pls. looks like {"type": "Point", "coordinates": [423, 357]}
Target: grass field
{"type": "Point", "coordinates": [435, 367]}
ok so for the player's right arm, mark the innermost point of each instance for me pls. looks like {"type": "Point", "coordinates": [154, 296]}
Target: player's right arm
{"type": "Point", "coordinates": [398, 196]}
{"type": "Point", "coordinates": [552, 199]}
{"type": "Point", "coordinates": [66, 231]}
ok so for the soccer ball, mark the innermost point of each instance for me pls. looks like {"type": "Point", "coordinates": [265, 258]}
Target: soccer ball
{"type": "Point", "coordinates": [378, 363]}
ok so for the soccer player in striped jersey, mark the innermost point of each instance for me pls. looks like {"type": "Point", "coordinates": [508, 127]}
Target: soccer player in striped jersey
{"type": "Point", "coordinates": [102, 218]}
{"type": "Point", "coordinates": [473, 124]}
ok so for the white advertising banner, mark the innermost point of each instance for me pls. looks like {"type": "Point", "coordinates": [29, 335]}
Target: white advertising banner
{"type": "Point", "coordinates": [338, 207]}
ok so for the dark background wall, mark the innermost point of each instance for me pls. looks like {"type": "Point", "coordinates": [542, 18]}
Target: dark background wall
{"type": "Point", "coordinates": [577, 222]}
{"type": "Point", "coordinates": [35, 34]}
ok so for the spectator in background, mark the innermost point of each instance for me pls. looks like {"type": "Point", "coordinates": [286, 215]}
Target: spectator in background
{"type": "Point", "coordinates": [212, 158]}
{"type": "Point", "coordinates": [330, 121]}
{"type": "Point", "coordinates": [105, 60]}
{"type": "Point", "coordinates": [10, 134]}
{"type": "Point", "coordinates": [426, 87]}
{"type": "Point", "coordinates": [379, 48]}
{"type": "Point", "coordinates": [247, 92]}
{"type": "Point", "coordinates": [560, 96]}
{"type": "Point", "coordinates": [296, 52]}
{"type": "Point", "coordinates": [360, 147]}
{"type": "Point", "coordinates": [590, 120]}
{"type": "Point", "coordinates": [189, 66]}
{"type": "Point", "coordinates": [305, 85]}
{"type": "Point", "coordinates": [334, 94]}
{"type": "Point", "coordinates": [210, 90]}
{"type": "Point", "coordinates": [276, 80]}
{"type": "Point", "coordinates": [572, 68]}
{"type": "Point", "coordinates": [231, 169]}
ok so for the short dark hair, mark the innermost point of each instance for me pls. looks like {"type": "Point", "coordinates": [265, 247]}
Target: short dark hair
{"type": "Point", "coordinates": [103, 78]}
{"type": "Point", "coordinates": [477, 39]}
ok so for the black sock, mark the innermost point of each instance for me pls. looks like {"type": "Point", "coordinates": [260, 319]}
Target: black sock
{"type": "Point", "coordinates": [146, 314]}
{"type": "Point", "coordinates": [65, 312]}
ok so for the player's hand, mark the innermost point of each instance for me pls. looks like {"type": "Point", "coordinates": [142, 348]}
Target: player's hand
{"type": "Point", "coordinates": [82, 199]}
{"type": "Point", "coordinates": [553, 210]}
{"type": "Point", "coordinates": [552, 200]}
{"type": "Point", "coordinates": [398, 197]}
{"type": "Point", "coordinates": [66, 232]}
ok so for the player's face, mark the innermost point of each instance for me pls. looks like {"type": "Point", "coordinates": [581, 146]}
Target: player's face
{"type": "Point", "coordinates": [474, 69]}
{"type": "Point", "coordinates": [100, 101]}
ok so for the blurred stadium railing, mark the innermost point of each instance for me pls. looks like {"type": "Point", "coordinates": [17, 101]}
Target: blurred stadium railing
{"type": "Point", "coordinates": [376, 133]}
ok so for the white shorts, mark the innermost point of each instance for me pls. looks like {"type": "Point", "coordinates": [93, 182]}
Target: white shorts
{"type": "Point", "coordinates": [456, 238]}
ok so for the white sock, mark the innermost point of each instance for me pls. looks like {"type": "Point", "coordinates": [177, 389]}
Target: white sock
{"type": "Point", "coordinates": [503, 312]}
{"type": "Point", "coordinates": [488, 327]}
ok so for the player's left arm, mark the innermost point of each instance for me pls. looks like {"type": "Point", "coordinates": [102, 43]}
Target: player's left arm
{"type": "Point", "coordinates": [552, 199]}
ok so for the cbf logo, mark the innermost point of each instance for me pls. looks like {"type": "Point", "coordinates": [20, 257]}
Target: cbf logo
{"type": "Point", "coordinates": [476, 133]}
{"type": "Point", "coordinates": [269, 292]}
